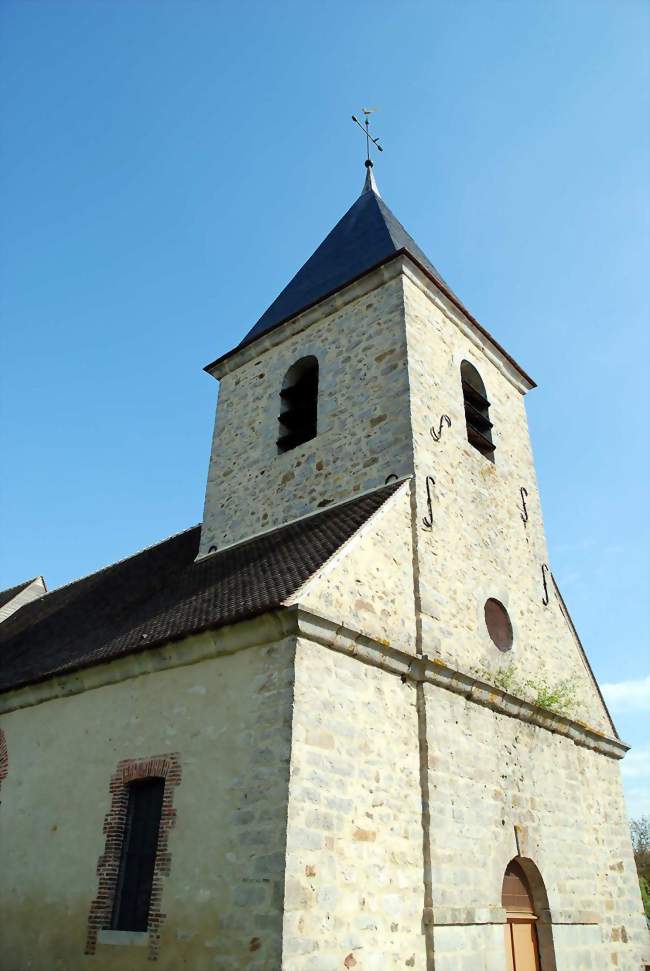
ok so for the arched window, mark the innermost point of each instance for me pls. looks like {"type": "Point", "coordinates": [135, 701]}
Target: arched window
{"type": "Point", "coordinates": [477, 411]}
{"type": "Point", "coordinates": [299, 408]}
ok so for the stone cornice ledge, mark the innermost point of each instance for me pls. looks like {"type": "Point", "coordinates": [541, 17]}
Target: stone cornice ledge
{"type": "Point", "coordinates": [268, 628]}
{"type": "Point", "coordinates": [293, 621]}
{"type": "Point", "coordinates": [425, 670]}
{"type": "Point", "coordinates": [471, 916]}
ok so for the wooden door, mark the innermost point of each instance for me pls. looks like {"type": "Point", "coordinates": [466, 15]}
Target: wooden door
{"type": "Point", "coordinates": [522, 953]}
{"type": "Point", "coordinates": [521, 944]}
{"type": "Point", "coordinates": [510, 960]}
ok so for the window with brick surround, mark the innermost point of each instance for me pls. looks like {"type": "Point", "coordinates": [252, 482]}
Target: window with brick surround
{"type": "Point", "coordinates": [135, 878]}
{"type": "Point", "coordinates": [136, 856]}
{"type": "Point", "coordinates": [477, 411]}
{"type": "Point", "coordinates": [297, 422]}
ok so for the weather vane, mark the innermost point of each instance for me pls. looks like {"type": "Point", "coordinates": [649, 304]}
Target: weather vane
{"type": "Point", "coordinates": [365, 128]}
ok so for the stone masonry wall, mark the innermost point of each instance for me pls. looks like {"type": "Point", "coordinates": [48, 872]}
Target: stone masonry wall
{"type": "Point", "coordinates": [489, 774]}
{"type": "Point", "coordinates": [479, 546]}
{"type": "Point", "coordinates": [368, 584]}
{"type": "Point", "coordinates": [354, 890]}
{"type": "Point", "coordinates": [363, 422]}
{"type": "Point", "coordinates": [228, 721]}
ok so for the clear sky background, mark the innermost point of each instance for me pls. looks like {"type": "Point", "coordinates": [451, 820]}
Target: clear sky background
{"type": "Point", "coordinates": [167, 166]}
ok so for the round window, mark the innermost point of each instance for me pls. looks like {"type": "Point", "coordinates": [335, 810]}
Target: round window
{"type": "Point", "coordinates": [498, 624]}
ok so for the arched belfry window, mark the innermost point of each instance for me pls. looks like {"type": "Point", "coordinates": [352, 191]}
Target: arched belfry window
{"type": "Point", "coordinates": [299, 404]}
{"type": "Point", "coordinates": [477, 411]}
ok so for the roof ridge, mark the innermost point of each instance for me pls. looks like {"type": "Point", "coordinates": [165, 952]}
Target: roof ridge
{"type": "Point", "coordinates": [301, 519]}
{"type": "Point", "coordinates": [18, 587]}
{"type": "Point", "coordinates": [403, 241]}
{"type": "Point", "coordinates": [123, 559]}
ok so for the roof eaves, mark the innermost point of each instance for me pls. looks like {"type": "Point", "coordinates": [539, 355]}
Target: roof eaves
{"type": "Point", "coordinates": [313, 303]}
{"type": "Point", "coordinates": [149, 644]}
{"type": "Point", "coordinates": [463, 309]}
{"type": "Point", "coordinates": [391, 256]}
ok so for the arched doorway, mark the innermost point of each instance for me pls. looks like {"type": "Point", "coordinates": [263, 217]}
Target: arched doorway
{"type": "Point", "coordinates": [522, 943]}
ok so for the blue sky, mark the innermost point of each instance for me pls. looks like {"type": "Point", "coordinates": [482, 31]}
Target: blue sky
{"type": "Point", "coordinates": [166, 167]}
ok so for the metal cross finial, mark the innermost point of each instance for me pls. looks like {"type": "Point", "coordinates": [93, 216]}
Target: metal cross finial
{"type": "Point", "coordinates": [365, 128]}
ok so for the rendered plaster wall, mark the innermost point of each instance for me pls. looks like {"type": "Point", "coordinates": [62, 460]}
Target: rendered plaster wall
{"type": "Point", "coordinates": [479, 546]}
{"type": "Point", "coordinates": [228, 719]}
{"type": "Point", "coordinates": [363, 421]}
{"type": "Point", "coordinates": [489, 774]}
{"type": "Point", "coordinates": [354, 885]}
{"type": "Point", "coordinates": [368, 584]}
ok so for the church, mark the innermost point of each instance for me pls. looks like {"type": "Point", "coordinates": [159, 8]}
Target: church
{"type": "Point", "coordinates": [346, 722]}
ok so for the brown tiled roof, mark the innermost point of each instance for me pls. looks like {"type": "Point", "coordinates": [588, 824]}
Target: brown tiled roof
{"type": "Point", "coordinates": [11, 592]}
{"type": "Point", "coordinates": [161, 594]}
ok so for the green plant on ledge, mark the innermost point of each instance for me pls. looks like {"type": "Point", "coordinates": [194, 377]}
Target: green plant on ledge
{"type": "Point", "coordinates": [559, 696]}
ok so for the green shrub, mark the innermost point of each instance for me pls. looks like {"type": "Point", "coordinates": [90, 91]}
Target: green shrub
{"type": "Point", "coordinates": [559, 696]}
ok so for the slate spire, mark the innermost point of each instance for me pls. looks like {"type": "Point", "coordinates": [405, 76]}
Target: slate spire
{"type": "Point", "coordinates": [367, 236]}
{"type": "Point", "coordinates": [370, 185]}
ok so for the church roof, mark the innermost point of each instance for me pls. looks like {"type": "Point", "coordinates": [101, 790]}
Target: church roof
{"type": "Point", "coordinates": [15, 598]}
{"type": "Point", "coordinates": [162, 594]}
{"type": "Point", "coordinates": [368, 235]}
{"type": "Point", "coordinates": [11, 592]}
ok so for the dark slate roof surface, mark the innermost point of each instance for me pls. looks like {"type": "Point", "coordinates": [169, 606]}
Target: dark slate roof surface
{"type": "Point", "coordinates": [366, 236]}
{"type": "Point", "coordinates": [161, 594]}
{"type": "Point", "coordinates": [11, 592]}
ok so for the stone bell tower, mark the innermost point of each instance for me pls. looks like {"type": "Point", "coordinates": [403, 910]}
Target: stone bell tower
{"type": "Point", "coordinates": [345, 308]}
{"type": "Point", "coordinates": [444, 714]}
{"type": "Point", "coordinates": [406, 383]}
